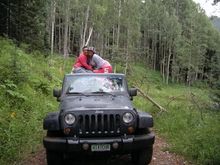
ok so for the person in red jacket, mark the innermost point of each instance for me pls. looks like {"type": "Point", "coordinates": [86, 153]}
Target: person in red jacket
{"type": "Point", "coordinates": [81, 65]}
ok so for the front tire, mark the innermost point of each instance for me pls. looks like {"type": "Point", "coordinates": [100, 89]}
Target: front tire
{"type": "Point", "coordinates": [142, 157]}
{"type": "Point", "coordinates": [54, 158]}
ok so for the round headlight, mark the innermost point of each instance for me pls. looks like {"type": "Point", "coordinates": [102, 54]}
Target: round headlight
{"type": "Point", "coordinates": [69, 118]}
{"type": "Point", "coordinates": [128, 117]}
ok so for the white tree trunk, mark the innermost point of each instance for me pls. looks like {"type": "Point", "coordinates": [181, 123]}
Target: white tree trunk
{"type": "Point", "coordinates": [65, 44]}
{"type": "Point", "coordinates": [53, 12]}
{"type": "Point", "coordinates": [168, 66]}
{"type": "Point", "coordinates": [118, 30]}
{"type": "Point", "coordinates": [60, 38]}
{"type": "Point", "coordinates": [90, 34]}
{"type": "Point", "coordinates": [85, 27]}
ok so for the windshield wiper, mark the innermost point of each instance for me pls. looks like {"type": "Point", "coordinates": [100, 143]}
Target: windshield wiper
{"type": "Point", "coordinates": [102, 92]}
{"type": "Point", "coordinates": [77, 93]}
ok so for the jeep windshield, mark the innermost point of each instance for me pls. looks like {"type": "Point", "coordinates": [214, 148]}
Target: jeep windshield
{"type": "Point", "coordinates": [94, 84]}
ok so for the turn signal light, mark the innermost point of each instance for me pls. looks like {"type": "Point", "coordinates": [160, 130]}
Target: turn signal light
{"type": "Point", "coordinates": [130, 130]}
{"type": "Point", "coordinates": [66, 131]}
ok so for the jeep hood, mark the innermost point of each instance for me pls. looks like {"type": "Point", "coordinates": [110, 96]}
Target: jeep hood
{"type": "Point", "coordinates": [95, 102]}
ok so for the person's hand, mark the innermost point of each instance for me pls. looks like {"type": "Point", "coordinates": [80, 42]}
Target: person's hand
{"type": "Point", "coordinates": [72, 71]}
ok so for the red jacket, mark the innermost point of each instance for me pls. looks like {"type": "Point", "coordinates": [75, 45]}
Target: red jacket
{"type": "Point", "coordinates": [81, 61]}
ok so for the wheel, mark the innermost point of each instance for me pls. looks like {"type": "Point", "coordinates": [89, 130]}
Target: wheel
{"type": "Point", "coordinates": [142, 157]}
{"type": "Point", "coordinates": [54, 158]}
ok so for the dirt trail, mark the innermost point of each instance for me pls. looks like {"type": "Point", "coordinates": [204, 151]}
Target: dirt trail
{"type": "Point", "coordinates": [160, 157]}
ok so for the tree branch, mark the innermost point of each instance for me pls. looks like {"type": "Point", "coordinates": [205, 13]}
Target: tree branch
{"type": "Point", "coordinates": [151, 100]}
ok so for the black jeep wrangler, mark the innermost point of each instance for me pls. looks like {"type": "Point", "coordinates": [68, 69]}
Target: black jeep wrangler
{"type": "Point", "coordinates": [96, 116]}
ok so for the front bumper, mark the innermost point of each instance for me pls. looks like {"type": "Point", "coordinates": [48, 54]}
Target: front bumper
{"type": "Point", "coordinates": [126, 144]}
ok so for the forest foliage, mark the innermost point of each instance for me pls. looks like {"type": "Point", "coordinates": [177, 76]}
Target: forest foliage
{"type": "Point", "coordinates": [173, 37]}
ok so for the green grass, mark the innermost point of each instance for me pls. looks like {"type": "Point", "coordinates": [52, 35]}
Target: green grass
{"type": "Point", "coordinates": [191, 128]}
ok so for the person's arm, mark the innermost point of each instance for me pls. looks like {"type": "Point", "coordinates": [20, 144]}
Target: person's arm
{"type": "Point", "coordinates": [99, 61]}
{"type": "Point", "coordinates": [83, 61]}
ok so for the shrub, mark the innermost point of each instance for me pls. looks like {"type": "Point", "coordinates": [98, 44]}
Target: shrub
{"type": "Point", "coordinates": [24, 100]}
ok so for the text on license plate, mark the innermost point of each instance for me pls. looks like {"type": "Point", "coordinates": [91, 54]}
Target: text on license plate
{"type": "Point", "coordinates": [100, 147]}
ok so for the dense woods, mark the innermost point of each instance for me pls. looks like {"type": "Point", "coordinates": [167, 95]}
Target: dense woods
{"type": "Point", "coordinates": [173, 37]}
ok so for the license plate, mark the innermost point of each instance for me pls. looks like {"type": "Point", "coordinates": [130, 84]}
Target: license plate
{"type": "Point", "coordinates": [100, 147]}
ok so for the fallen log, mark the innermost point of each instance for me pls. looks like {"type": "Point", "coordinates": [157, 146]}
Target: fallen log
{"type": "Point", "coordinates": [151, 100]}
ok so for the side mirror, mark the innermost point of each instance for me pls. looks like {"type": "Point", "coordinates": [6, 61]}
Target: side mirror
{"type": "Point", "coordinates": [132, 92]}
{"type": "Point", "coordinates": [57, 93]}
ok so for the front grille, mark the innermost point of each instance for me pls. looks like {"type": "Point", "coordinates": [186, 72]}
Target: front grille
{"type": "Point", "coordinates": [98, 124]}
